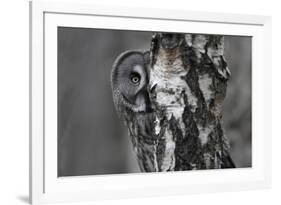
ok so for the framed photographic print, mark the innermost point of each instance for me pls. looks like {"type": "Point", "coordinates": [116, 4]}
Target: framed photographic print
{"type": "Point", "coordinates": [129, 102]}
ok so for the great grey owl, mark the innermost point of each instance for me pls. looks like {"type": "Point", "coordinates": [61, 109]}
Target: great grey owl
{"type": "Point", "coordinates": [129, 80]}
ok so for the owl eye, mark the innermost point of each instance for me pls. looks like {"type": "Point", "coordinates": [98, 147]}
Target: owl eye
{"type": "Point", "coordinates": [135, 78]}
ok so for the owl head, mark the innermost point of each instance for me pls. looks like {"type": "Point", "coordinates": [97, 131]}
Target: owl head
{"type": "Point", "coordinates": [129, 79]}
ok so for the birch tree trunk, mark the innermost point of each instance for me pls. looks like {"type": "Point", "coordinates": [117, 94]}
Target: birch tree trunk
{"type": "Point", "coordinates": [187, 87]}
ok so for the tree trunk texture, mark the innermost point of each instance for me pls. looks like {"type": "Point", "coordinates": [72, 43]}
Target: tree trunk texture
{"type": "Point", "coordinates": [187, 86]}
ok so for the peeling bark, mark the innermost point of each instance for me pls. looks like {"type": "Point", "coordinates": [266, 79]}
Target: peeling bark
{"type": "Point", "coordinates": [187, 87]}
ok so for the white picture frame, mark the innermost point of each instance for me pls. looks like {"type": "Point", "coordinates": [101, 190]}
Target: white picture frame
{"type": "Point", "coordinates": [46, 187]}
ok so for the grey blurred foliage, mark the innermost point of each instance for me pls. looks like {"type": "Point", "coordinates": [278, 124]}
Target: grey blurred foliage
{"type": "Point", "coordinates": [91, 138]}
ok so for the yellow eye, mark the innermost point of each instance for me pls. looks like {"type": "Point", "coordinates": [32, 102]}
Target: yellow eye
{"type": "Point", "coordinates": [135, 78]}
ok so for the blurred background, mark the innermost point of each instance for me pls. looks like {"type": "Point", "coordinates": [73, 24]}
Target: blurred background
{"type": "Point", "coordinates": [91, 138]}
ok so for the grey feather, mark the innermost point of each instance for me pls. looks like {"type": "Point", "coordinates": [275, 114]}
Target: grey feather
{"type": "Point", "coordinates": [129, 80]}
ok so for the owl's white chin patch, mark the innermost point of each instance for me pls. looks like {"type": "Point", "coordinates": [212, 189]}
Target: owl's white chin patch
{"type": "Point", "coordinates": [140, 105]}
{"type": "Point", "coordinates": [140, 108]}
